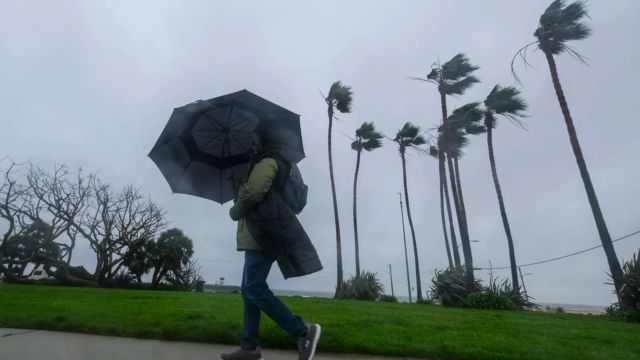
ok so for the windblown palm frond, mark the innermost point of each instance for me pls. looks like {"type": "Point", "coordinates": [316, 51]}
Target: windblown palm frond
{"type": "Point", "coordinates": [409, 136]}
{"type": "Point", "coordinates": [561, 23]}
{"type": "Point", "coordinates": [465, 115]}
{"type": "Point", "coordinates": [475, 129]}
{"type": "Point", "coordinates": [434, 151]}
{"type": "Point", "coordinates": [463, 121]}
{"type": "Point", "coordinates": [452, 141]}
{"type": "Point", "coordinates": [506, 102]}
{"type": "Point", "coordinates": [340, 96]}
{"type": "Point", "coordinates": [367, 138]}
{"type": "Point", "coordinates": [459, 87]}
{"type": "Point", "coordinates": [454, 76]}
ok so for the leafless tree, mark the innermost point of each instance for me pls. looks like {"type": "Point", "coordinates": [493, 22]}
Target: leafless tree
{"type": "Point", "coordinates": [11, 209]}
{"type": "Point", "coordinates": [72, 207]}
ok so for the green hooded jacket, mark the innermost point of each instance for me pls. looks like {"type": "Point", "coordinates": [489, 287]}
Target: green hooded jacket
{"type": "Point", "coordinates": [251, 192]}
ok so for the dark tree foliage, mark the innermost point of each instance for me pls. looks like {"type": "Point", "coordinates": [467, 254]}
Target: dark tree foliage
{"type": "Point", "coordinates": [170, 252]}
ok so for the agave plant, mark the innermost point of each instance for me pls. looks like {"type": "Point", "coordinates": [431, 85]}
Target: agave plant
{"type": "Point", "coordinates": [628, 305]}
{"type": "Point", "coordinates": [366, 286]}
{"type": "Point", "coordinates": [450, 286]}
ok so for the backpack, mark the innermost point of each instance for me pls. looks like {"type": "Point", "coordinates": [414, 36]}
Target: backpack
{"type": "Point", "coordinates": [294, 191]}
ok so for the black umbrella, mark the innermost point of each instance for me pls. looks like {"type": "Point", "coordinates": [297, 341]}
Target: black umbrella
{"type": "Point", "coordinates": [205, 144]}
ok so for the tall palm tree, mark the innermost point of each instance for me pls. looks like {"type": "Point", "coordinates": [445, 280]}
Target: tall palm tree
{"type": "Point", "coordinates": [559, 24]}
{"type": "Point", "coordinates": [409, 137]}
{"type": "Point", "coordinates": [505, 102]}
{"type": "Point", "coordinates": [444, 197]}
{"type": "Point", "coordinates": [367, 138]}
{"type": "Point", "coordinates": [452, 139]}
{"type": "Point", "coordinates": [340, 97]}
{"type": "Point", "coordinates": [453, 77]}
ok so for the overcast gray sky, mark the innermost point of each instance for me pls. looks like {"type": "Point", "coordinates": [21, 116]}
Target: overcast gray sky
{"type": "Point", "coordinates": [91, 84]}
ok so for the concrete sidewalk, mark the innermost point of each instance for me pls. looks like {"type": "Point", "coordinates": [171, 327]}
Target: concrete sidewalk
{"type": "Point", "coordinates": [22, 344]}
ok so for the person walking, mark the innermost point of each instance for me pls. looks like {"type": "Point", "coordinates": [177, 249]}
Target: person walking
{"type": "Point", "coordinates": [269, 231]}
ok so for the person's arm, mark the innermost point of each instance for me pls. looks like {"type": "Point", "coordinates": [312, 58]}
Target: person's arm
{"type": "Point", "coordinates": [255, 188]}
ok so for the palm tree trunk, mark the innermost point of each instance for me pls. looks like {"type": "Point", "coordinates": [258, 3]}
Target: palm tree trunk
{"type": "Point", "coordinates": [464, 240]}
{"type": "Point", "coordinates": [335, 208]}
{"type": "Point", "coordinates": [413, 232]}
{"type": "Point", "coordinates": [355, 213]}
{"type": "Point", "coordinates": [503, 211]}
{"type": "Point", "coordinates": [444, 225]}
{"type": "Point", "coordinates": [452, 231]}
{"type": "Point", "coordinates": [444, 191]}
{"type": "Point", "coordinates": [605, 238]}
{"type": "Point", "coordinates": [406, 257]}
{"type": "Point", "coordinates": [443, 179]}
{"type": "Point", "coordinates": [464, 234]}
{"type": "Point", "coordinates": [154, 277]}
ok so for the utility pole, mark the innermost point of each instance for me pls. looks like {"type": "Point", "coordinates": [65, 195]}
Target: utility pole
{"type": "Point", "coordinates": [406, 257]}
{"type": "Point", "coordinates": [391, 276]}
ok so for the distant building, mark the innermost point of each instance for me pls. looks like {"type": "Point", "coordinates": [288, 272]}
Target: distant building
{"type": "Point", "coordinates": [39, 274]}
{"type": "Point", "coordinates": [216, 288]}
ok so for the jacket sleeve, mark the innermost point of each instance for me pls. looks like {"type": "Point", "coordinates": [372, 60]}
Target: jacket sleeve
{"type": "Point", "coordinates": [255, 188]}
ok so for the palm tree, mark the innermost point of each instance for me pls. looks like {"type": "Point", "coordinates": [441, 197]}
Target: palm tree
{"type": "Point", "coordinates": [435, 152]}
{"type": "Point", "coordinates": [452, 78]}
{"type": "Point", "coordinates": [505, 102]}
{"type": "Point", "coordinates": [452, 139]}
{"type": "Point", "coordinates": [409, 137]}
{"type": "Point", "coordinates": [367, 138]}
{"type": "Point", "coordinates": [340, 97]}
{"type": "Point", "coordinates": [559, 24]}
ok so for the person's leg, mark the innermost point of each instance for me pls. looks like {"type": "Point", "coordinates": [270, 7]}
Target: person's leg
{"type": "Point", "coordinates": [255, 290]}
{"type": "Point", "coordinates": [250, 334]}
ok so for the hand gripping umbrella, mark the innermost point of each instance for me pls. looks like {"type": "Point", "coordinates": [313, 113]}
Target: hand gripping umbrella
{"type": "Point", "coordinates": [206, 142]}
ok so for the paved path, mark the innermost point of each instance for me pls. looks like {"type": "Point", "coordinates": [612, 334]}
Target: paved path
{"type": "Point", "coordinates": [21, 344]}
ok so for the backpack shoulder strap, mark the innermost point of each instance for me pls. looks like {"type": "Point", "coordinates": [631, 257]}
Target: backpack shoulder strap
{"type": "Point", "coordinates": [284, 171]}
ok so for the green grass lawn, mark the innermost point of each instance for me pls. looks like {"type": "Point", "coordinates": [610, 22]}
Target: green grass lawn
{"type": "Point", "coordinates": [423, 331]}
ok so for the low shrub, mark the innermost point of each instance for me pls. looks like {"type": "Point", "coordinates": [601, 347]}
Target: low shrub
{"type": "Point", "coordinates": [629, 294]}
{"type": "Point", "coordinates": [488, 299]}
{"type": "Point", "coordinates": [505, 288]}
{"type": "Point", "coordinates": [450, 287]}
{"type": "Point", "coordinates": [363, 287]}
{"type": "Point", "coordinates": [388, 298]}
{"type": "Point", "coordinates": [426, 301]}
{"type": "Point", "coordinates": [625, 314]}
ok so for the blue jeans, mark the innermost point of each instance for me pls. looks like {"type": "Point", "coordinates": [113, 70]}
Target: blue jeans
{"type": "Point", "coordinates": [257, 297]}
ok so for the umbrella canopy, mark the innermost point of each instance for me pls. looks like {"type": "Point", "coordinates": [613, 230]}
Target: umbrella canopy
{"type": "Point", "coordinates": [205, 145]}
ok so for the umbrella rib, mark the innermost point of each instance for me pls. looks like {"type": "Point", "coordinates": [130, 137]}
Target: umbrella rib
{"type": "Point", "coordinates": [184, 171]}
{"type": "Point", "coordinates": [239, 122]}
{"type": "Point", "coordinates": [238, 141]}
{"type": "Point", "coordinates": [229, 147]}
{"type": "Point", "coordinates": [211, 141]}
{"type": "Point", "coordinates": [224, 145]}
{"type": "Point", "coordinates": [211, 118]}
{"type": "Point", "coordinates": [226, 124]}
